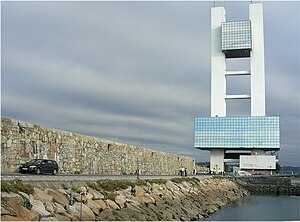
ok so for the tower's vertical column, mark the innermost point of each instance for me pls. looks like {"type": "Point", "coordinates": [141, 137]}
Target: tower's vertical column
{"type": "Point", "coordinates": [218, 65]}
{"type": "Point", "coordinates": [257, 61]}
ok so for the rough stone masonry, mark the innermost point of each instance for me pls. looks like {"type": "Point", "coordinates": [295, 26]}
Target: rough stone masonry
{"type": "Point", "coordinates": [153, 201]}
{"type": "Point", "coordinates": [21, 141]}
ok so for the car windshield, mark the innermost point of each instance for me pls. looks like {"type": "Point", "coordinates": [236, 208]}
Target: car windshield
{"type": "Point", "coordinates": [34, 161]}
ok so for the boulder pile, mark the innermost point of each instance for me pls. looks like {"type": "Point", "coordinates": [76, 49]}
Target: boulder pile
{"type": "Point", "coordinates": [182, 201]}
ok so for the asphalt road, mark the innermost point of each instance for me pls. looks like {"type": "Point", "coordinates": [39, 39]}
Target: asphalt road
{"type": "Point", "coordinates": [85, 177]}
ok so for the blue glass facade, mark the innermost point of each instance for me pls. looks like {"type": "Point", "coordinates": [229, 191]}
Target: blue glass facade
{"type": "Point", "coordinates": [236, 39]}
{"type": "Point", "coordinates": [237, 132]}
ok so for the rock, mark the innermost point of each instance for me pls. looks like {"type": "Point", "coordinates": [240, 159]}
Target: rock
{"type": "Point", "coordinates": [41, 195]}
{"type": "Point", "coordinates": [133, 202]}
{"type": "Point", "coordinates": [13, 218]}
{"type": "Point", "coordinates": [20, 213]}
{"type": "Point", "coordinates": [48, 219]}
{"type": "Point", "coordinates": [83, 198]}
{"type": "Point", "coordinates": [155, 188]}
{"type": "Point", "coordinates": [61, 217]}
{"type": "Point", "coordinates": [157, 199]}
{"type": "Point", "coordinates": [121, 215]}
{"type": "Point", "coordinates": [212, 208]}
{"type": "Point", "coordinates": [177, 210]}
{"type": "Point", "coordinates": [162, 207]}
{"type": "Point", "coordinates": [189, 213]}
{"type": "Point", "coordinates": [49, 206]}
{"type": "Point", "coordinates": [200, 216]}
{"type": "Point", "coordinates": [77, 197]}
{"type": "Point", "coordinates": [184, 218]}
{"type": "Point", "coordinates": [106, 215]}
{"type": "Point", "coordinates": [120, 200]}
{"type": "Point", "coordinates": [23, 195]}
{"type": "Point", "coordinates": [94, 206]}
{"type": "Point", "coordinates": [133, 207]}
{"type": "Point", "coordinates": [149, 199]}
{"type": "Point", "coordinates": [220, 203]}
{"type": "Point", "coordinates": [66, 214]}
{"type": "Point", "coordinates": [57, 197]}
{"type": "Point", "coordinates": [112, 204]}
{"type": "Point", "coordinates": [58, 208]}
{"type": "Point", "coordinates": [38, 206]}
{"type": "Point", "coordinates": [16, 198]}
{"type": "Point", "coordinates": [82, 190]}
{"type": "Point", "coordinates": [171, 185]}
{"type": "Point", "coordinates": [102, 204]}
{"type": "Point", "coordinates": [127, 211]}
{"type": "Point", "coordinates": [7, 211]}
{"type": "Point", "coordinates": [88, 196]}
{"type": "Point", "coordinates": [71, 209]}
{"type": "Point", "coordinates": [96, 195]}
{"type": "Point", "coordinates": [139, 217]}
{"type": "Point", "coordinates": [149, 214]}
{"type": "Point", "coordinates": [125, 192]}
{"type": "Point", "coordinates": [63, 191]}
{"type": "Point", "coordinates": [154, 209]}
{"type": "Point", "coordinates": [167, 215]}
{"type": "Point", "coordinates": [183, 190]}
{"type": "Point", "coordinates": [144, 200]}
{"type": "Point", "coordinates": [175, 215]}
{"type": "Point", "coordinates": [138, 191]}
{"type": "Point", "coordinates": [87, 213]}
{"type": "Point", "coordinates": [170, 201]}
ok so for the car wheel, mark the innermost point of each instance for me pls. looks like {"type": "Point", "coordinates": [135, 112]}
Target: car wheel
{"type": "Point", "coordinates": [54, 172]}
{"type": "Point", "coordinates": [38, 171]}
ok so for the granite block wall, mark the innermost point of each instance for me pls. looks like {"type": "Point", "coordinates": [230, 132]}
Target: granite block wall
{"type": "Point", "coordinates": [21, 141]}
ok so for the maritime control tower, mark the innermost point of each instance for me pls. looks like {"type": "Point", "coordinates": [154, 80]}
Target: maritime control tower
{"type": "Point", "coordinates": [247, 141]}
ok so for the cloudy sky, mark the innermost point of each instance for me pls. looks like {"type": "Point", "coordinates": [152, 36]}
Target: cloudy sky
{"type": "Point", "coordinates": [138, 72]}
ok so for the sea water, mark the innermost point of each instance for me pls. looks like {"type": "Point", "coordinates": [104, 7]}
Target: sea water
{"type": "Point", "coordinates": [261, 208]}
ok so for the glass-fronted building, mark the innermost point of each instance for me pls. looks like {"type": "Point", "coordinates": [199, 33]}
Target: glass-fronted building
{"type": "Point", "coordinates": [237, 132]}
{"type": "Point", "coordinates": [236, 39]}
{"type": "Point", "coordinates": [252, 141]}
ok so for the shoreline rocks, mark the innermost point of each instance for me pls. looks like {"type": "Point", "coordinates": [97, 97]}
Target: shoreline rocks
{"type": "Point", "coordinates": [183, 200]}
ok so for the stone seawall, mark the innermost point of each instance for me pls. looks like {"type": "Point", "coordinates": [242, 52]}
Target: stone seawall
{"type": "Point", "coordinates": [269, 185]}
{"type": "Point", "coordinates": [273, 189]}
{"type": "Point", "coordinates": [21, 141]}
{"type": "Point", "coordinates": [189, 199]}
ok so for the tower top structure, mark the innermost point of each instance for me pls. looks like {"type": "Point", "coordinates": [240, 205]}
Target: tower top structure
{"type": "Point", "coordinates": [233, 40]}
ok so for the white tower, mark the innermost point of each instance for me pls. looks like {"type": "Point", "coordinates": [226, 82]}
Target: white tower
{"type": "Point", "coordinates": [230, 40]}
{"type": "Point", "coordinates": [237, 39]}
{"type": "Point", "coordinates": [238, 139]}
{"type": "Point", "coordinates": [257, 61]}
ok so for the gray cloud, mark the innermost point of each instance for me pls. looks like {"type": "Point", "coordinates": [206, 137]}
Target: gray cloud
{"type": "Point", "coordinates": [137, 72]}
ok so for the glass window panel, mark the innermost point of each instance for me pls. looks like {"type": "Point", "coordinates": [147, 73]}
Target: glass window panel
{"type": "Point", "coordinates": [235, 132]}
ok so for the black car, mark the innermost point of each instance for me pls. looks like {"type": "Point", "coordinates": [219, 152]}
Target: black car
{"type": "Point", "coordinates": [39, 166]}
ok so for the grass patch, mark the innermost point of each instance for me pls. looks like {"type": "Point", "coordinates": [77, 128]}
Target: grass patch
{"type": "Point", "coordinates": [181, 179]}
{"type": "Point", "coordinates": [93, 185]}
{"type": "Point", "coordinates": [157, 181]}
{"type": "Point", "coordinates": [107, 186]}
{"type": "Point", "coordinates": [15, 186]}
{"type": "Point", "coordinates": [219, 177]}
{"type": "Point", "coordinates": [114, 185]}
{"type": "Point", "coordinates": [110, 196]}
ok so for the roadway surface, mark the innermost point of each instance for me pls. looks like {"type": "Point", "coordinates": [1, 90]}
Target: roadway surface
{"type": "Point", "coordinates": [86, 177]}
{"type": "Point", "coordinates": [95, 177]}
